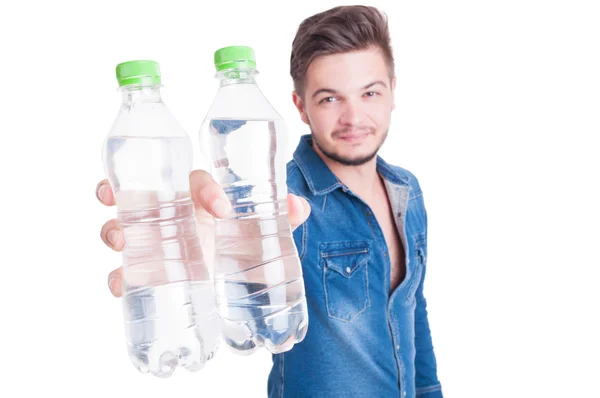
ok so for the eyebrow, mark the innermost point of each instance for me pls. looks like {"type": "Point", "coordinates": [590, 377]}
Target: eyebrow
{"type": "Point", "coordinates": [324, 90]}
{"type": "Point", "coordinates": [332, 91]}
{"type": "Point", "coordinates": [374, 84]}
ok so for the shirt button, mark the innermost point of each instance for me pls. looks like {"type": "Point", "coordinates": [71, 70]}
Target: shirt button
{"type": "Point", "coordinates": [398, 348]}
{"type": "Point", "coordinates": [348, 270]}
{"type": "Point", "coordinates": [404, 393]}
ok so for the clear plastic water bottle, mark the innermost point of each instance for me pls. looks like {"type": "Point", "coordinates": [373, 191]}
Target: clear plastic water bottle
{"type": "Point", "coordinates": [258, 276]}
{"type": "Point", "coordinates": [168, 296]}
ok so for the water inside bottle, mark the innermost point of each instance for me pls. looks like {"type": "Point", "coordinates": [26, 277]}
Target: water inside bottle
{"type": "Point", "coordinates": [168, 295]}
{"type": "Point", "coordinates": [258, 276]}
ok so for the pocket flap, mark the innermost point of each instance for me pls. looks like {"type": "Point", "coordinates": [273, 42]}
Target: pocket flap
{"type": "Point", "coordinates": [345, 257]}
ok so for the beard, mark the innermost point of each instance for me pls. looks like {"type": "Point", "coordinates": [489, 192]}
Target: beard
{"type": "Point", "coordinates": [346, 160]}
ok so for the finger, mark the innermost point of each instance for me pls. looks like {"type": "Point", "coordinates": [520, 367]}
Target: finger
{"type": "Point", "coordinates": [112, 235]}
{"type": "Point", "coordinates": [104, 193]}
{"type": "Point", "coordinates": [115, 279]}
{"type": "Point", "coordinates": [208, 194]}
{"type": "Point", "coordinates": [298, 210]}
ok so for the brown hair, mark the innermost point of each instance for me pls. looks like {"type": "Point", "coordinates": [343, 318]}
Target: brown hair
{"type": "Point", "coordinates": [339, 30]}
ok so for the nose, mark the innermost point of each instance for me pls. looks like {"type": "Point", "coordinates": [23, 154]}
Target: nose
{"type": "Point", "coordinates": [352, 114]}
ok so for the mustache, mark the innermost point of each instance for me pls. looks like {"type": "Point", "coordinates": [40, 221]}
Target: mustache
{"type": "Point", "coordinates": [354, 130]}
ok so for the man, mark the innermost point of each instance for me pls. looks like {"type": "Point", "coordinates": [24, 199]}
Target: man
{"type": "Point", "coordinates": [364, 246]}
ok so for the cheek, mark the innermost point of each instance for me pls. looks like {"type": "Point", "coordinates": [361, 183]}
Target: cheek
{"type": "Point", "coordinates": [381, 116]}
{"type": "Point", "coordinates": [322, 120]}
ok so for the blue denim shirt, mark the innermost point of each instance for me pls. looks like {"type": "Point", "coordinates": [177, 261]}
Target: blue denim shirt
{"type": "Point", "coordinates": [362, 340]}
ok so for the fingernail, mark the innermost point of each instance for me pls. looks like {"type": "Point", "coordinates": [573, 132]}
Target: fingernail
{"type": "Point", "coordinates": [301, 207]}
{"type": "Point", "coordinates": [298, 202]}
{"type": "Point", "coordinates": [298, 205]}
{"type": "Point", "coordinates": [100, 192]}
{"type": "Point", "coordinates": [112, 236]}
{"type": "Point", "coordinates": [111, 283]}
{"type": "Point", "coordinates": [221, 207]}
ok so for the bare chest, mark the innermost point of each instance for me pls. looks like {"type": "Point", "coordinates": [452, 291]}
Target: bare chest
{"type": "Point", "coordinates": [385, 218]}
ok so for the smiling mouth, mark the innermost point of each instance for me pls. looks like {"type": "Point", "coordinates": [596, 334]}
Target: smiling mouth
{"type": "Point", "coordinates": [353, 137]}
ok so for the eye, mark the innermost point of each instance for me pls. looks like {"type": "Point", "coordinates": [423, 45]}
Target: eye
{"type": "Point", "coordinates": [371, 94]}
{"type": "Point", "coordinates": [327, 100]}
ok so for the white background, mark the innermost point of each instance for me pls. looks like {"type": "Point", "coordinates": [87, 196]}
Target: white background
{"type": "Point", "coordinates": [497, 115]}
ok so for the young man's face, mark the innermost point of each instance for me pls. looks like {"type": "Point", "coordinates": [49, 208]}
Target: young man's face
{"type": "Point", "coordinates": [348, 100]}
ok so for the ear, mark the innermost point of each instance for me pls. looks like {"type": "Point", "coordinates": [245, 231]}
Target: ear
{"type": "Point", "coordinates": [393, 91]}
{"type": "Point", "coordinates": [300, 106]}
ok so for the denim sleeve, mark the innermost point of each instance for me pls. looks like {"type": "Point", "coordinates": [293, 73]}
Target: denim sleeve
{"type": "Point", "coordinates": [426, 380]}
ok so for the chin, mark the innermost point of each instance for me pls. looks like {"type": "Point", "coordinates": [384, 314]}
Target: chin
{"type": "Point", "coordinates": [352, 158]}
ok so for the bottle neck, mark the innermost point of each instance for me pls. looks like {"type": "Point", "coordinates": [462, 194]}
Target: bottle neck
{"type": "Point", "coordinates": [237, 76]}
{"type": "Point", "coordinates": [140, 94]}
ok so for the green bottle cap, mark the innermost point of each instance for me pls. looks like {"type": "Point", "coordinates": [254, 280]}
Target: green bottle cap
{"type": "Point", "coordinates": [235, 57]}
{"type": "Point", "coordinates": [138, 72]}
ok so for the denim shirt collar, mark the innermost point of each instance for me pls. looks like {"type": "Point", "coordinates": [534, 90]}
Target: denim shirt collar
{"type": "Point", "coordinates": [319, 177]}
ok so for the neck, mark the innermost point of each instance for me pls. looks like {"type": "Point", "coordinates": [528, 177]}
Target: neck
{"type": "Point", "coordinates": [362, 180]}
{"type": "Point", "coordinates": [237, 76]}
{"type": "Point", "coordinates": [140, 94]}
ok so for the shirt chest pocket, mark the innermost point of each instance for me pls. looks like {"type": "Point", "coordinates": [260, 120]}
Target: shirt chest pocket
{"type": "Point", "coordinates": [345, 267]}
